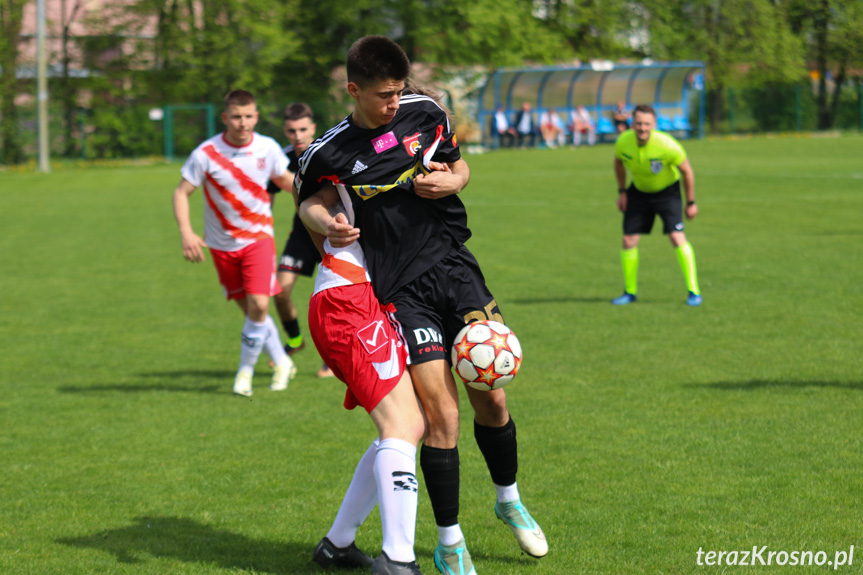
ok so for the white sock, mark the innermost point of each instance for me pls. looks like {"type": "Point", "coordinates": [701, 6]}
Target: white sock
{"type": "Point", "coordinates": [254, 335]}
{"type": "Point", "coordinates": [273, 343]}
{"type": "Point", "coordinates": [507, 492]}
{"type": "Point", "coordinates": [360, 498]}
{"type": "Point", "coordinates": [395, 472]}
{"type": "Point", "coordinates": [449, 535]}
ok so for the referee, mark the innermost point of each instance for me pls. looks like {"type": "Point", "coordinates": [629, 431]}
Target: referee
{"type": "Point", "coordinates": [656, 162]}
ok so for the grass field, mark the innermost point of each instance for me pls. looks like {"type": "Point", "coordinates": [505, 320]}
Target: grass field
{"type": "Point", "coordinates": [646, 432]}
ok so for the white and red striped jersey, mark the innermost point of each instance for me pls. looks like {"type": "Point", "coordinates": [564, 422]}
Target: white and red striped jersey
{"type": "Point", "coordinates": [342, 266]}
{"type": "Point", "coordinates": [236, 204]}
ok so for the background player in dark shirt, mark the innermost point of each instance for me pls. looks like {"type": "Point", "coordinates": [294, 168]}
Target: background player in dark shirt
{"type": "Point", "coordinates": [300, 256]}
{"type": "Point", "coordinates": [413, 227]}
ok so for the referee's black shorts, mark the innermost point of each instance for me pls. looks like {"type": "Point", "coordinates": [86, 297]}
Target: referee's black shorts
{"type": "Point", "coordinates": [643, 207]}
{"type": "Point", "coordinates": [434, 307]}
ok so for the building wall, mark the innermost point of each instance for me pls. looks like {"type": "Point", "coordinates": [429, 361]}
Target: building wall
{"type": "Point", "coordinates": [84, 18]}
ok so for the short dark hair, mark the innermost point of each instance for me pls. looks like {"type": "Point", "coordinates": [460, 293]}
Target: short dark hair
{"type": "Point", "coordinates": [644, 109]}
{"type": "Point", "coordinates": [298, 111]}
{"type": "Point", "coordinates": [375, 58]}
{"type": "Point", "coordinates": [239, 98]}
{"type": "Point", "coordinates": [412, 87]}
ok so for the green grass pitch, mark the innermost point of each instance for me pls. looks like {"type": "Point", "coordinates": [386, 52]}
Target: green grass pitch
{"type": "Point", "coordinates": [646, 432]}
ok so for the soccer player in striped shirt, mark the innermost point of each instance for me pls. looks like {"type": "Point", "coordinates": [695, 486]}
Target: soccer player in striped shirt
{"type": "Point", "coordinates": [360, 341]}
{"type": "Point", "coordinates": [233, 168]}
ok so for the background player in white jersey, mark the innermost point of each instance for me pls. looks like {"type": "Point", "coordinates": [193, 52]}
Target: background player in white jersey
{"type": "Point", "coordinates": [361, 344]}
{"type": "Point", "coordinates": [299, 256]}
{"type": "Point", "coordinates": [233, 169]}
{"type": "Point", "coordinates": [413, 229]}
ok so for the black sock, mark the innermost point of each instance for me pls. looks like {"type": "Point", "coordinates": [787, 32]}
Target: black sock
{"type": "Point", "coordinates": [440, 471]}
{"type": "Point", "coordinates": [292, 327]}
{"type": "Point", "coordinates": [500, 449]}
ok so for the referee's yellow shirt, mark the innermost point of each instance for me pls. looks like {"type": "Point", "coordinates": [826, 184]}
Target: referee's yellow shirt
{"type": "Point", "coordinates": [654, 165]}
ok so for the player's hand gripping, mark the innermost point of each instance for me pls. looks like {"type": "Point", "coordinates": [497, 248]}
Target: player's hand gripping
{"type": "Point", "coordinates": [340, 232]}
{"type": "Point", "coordinates": [439, 183]}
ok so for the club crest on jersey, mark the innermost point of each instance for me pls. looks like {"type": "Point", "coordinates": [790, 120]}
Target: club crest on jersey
{"type": "Point", "coordinates": [262, 163]}
{"type": "Point", "coordinates": [655, 166]}
{"type": "Point", "coordinates": [412, 144]}
{"type": "Point", "coordinates": [385, 142]}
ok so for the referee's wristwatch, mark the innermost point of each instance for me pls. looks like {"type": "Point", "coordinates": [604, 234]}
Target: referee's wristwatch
{"type": "Point", "coordinates": [621, 190]}
{"type": "Point", "coordinates": [692, 203]}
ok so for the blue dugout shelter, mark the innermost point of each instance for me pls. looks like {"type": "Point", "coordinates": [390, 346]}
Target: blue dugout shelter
{"type": "Point", "coordinates": [674, 89]}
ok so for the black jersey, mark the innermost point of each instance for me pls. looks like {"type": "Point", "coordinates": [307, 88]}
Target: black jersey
{"type": "Point", "coordinates": [293, 167]}
{"type": "Point", "coordinates": [299, 245]}
{"type": "Point", "coordinates": [402, 234]}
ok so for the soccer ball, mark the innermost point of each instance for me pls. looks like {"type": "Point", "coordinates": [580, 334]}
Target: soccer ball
{"type": "Point", "coordinates": [486, 355]}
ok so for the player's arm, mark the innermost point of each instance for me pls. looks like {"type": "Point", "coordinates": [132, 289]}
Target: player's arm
{"type": "Point", "coordinates": [296, 195]}
{"type": "Point", "coordinates": [319, 214]}
{"type": "Point", "coordinates": [443, 182]}
{"type": "Point", "coordinates": [688, 177]}
{"type": "Point", "coordinates": [620, 174]}
{"type": "Point", "coordinates": [317, 239]}
{"type": "Point", "coordinates": [285, 181]}
{"type": "Point", "coordinates": [192, 243]}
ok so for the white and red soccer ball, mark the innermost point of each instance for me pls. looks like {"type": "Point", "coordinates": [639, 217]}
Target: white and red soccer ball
{"type": "Point", "coordinates": [486, 355]}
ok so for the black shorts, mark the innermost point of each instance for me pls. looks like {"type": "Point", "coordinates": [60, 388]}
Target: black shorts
{"type": "Point", "coordinates": [433, 308]}
{"type": "Point", "coordinates": [300, 255]}
{"type": "Point", "coordinates": [643, 207]}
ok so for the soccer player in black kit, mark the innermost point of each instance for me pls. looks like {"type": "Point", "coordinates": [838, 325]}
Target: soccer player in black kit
{"type": "Point", "coordinates": [300, 255]}
{"type": "Point", "coordinates": [412, 227]}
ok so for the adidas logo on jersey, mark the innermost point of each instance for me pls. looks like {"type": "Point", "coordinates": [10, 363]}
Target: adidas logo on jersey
{"type": "Point", "coordinates": [358, 167]}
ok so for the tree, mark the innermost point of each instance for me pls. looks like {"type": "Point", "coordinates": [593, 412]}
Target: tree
{"type": "Point", "coordinates": [735, 38]}
{"type": "Point", "coordinates": [325, 30]}
{"type": "Point", "coordinates": [832, 31]}
{"type": "Point", "coordinates": [492, 33]}
{"type": "Point", "coordinates": [11, 16]}
{"type": "Point", "coordinates": [68, 94]}
{"type": "Point", "coordinates": [600, 29]}
{"type": "Point", "coordinates": [203, 49]}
